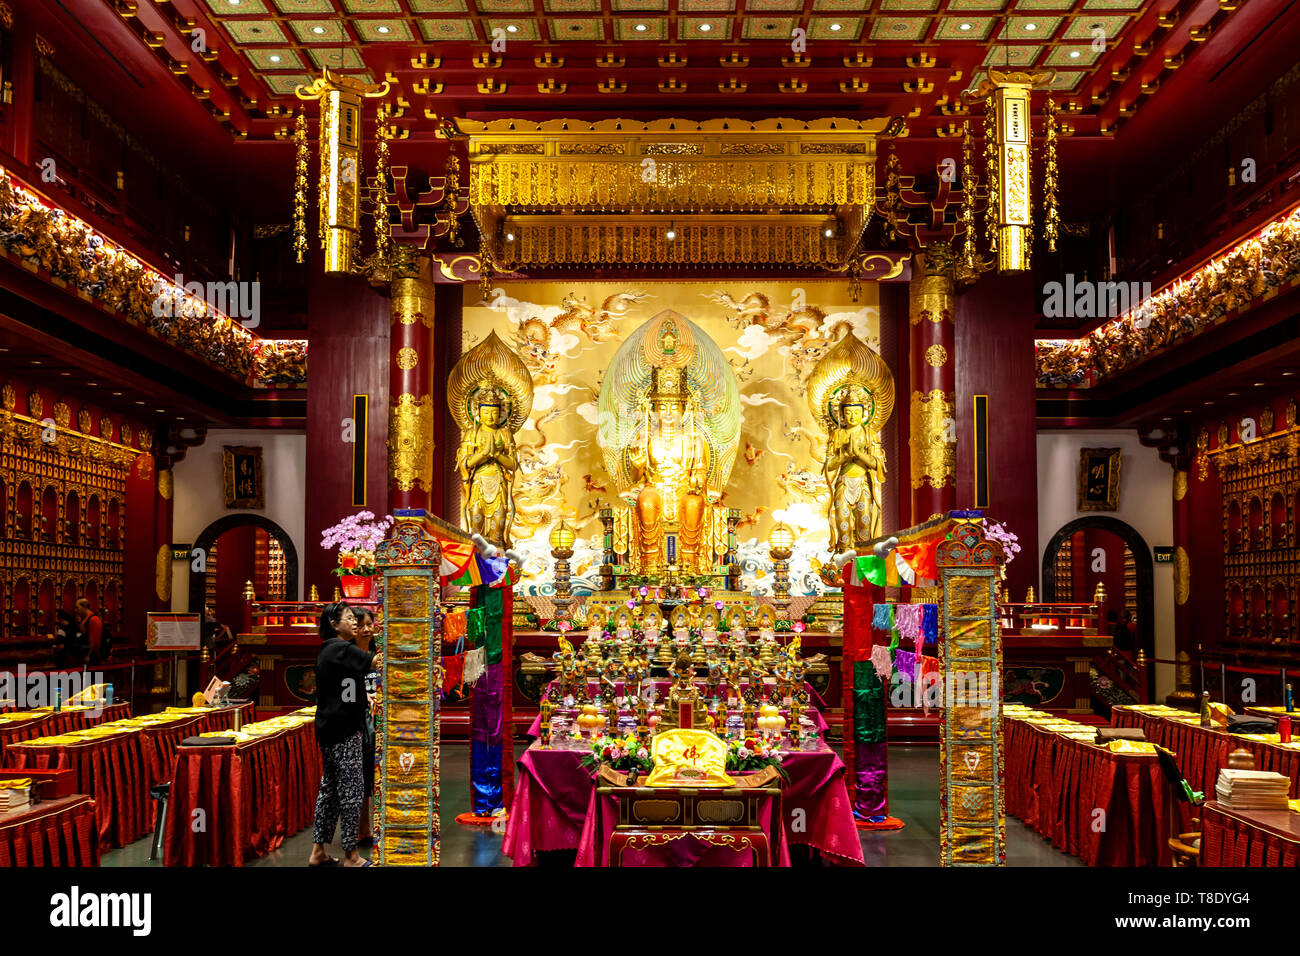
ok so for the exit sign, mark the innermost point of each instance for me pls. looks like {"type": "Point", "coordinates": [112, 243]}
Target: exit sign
{"type": "Point", "coordinates": [1163, 555]}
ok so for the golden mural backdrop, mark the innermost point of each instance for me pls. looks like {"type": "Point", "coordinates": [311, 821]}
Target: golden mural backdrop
{"type": "Point", "coordinates": [771, 333]}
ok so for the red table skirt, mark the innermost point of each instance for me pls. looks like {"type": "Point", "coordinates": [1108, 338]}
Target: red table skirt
{"type": "Point", "coordinates": [118, 771]}
{"type": "Point", "coordinates": [1056, 786]}
{"type": "Point", "coordinates": [1229, 840]}
{"type": "Point", "coordinates": [55, 833]}
{"type": "Point", "coordinates": [1201, 752]}
{"type": "Point", "coordinates": [248, 797]}
{"type": "Point", "coordinates": [61, 722]}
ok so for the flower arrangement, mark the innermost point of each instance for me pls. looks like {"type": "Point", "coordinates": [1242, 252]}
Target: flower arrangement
{"type": "Point", "coordinates": [752, 753]}
{"type": "Point", "coordinates": [622, 753]}
{"type": "Point", "coordinates": [356, 536]}
{"type": "Point", "coordinates": [1010, 541]}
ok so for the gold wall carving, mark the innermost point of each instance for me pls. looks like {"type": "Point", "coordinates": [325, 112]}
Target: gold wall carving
{"type": "Point", "coordinates": [521, 170]}
{"type": "Point", "coordinates": [410, 442]}
{"type": "Point", "coordinates": [936, 355]}
{"type": "Point", "coordinates": [165, 484]}
{"type": "Point", "coordinates": [933, 459]}
{"type": "Point", "coordinates": [1180, 485]}
{"type": "Point", "coordinates": [772, 333]}
{"type": "Point", "coordinates": [407, 358]}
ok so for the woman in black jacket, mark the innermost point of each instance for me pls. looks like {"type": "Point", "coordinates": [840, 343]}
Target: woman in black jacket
{"type": "Point", "coordinates": [341, 669]}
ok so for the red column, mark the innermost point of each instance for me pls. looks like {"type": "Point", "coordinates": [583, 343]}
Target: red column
{"type": "Point", "coordinates": [414, 405]}
{"type": "Point", "coordinates": [932, 366]}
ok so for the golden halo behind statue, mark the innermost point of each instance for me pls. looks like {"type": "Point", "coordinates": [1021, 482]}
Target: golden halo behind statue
{"type": "Point", "coordinates": [493, 364]}
{"type": "Point", "coordinates": [851, 362]}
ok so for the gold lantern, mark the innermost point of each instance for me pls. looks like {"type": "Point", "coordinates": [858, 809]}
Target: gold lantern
{"type": "Point", "coordinates": [340, 161]}
{"type": "Point", "coordinates": [1008, 179]}
{"type": "Point", "coordinates": [562, 538]}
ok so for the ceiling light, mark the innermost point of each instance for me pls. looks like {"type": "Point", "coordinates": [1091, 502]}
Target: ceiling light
{"type": "Point", "coordinates": [36, 361]}
{"type": "Point", "coordinates": [671, 234]}
{"type": "Point", "coordinates": [1287, 374]}
{"type": "Point", "coordinates": [1074, 54]}
{"type": "Point", "coordinates": [1209, 403]}
{"type": "Point", "coordinates": [65, 374]}
{"type": "Point", "coordinates": [1259, 384]}
{"type": "Point", "coordinates": [317, 30]}
{"type": "Point", "coordinates": [641, 28]}
{"type": "Point", "coordinates": [966, 26]}
{"type": "Point", "coordinates": [510, 237]}
{"type": "Point", "coordinates": [118, 394]}
{"type": "Point", "coordinates": [835, 27]}
{"type": "Point", "coordinates": [160, 411]}
{"type": "Point", "coordinates": [828, 232]}
{"type": "Point", "coordinates": [139, 403]}
{"type": "Point", "coordinates": [383, 29]}
{"type": "Point", "coordinates": [511, 28]}
{"type": "Point", "coordinates": [1232, 394]}
{"type": "Point", "coordinates": [1031, 27]}
{"type": "Point", "coordinates": [706, 27]}
{"type": "Point", "coordinates": [1168, 418]}
{"type": "Point", "coordinates": [1187, 411]}
{"type": "Point", "coordinates": [93, 384]}
{"type": "Point", "coordinates": [275, 58]}
{"type": "Point", "coordinates": [233, 3]}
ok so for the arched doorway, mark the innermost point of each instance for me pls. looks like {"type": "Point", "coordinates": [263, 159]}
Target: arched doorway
{"type": "Point", "coordinates": [1097, 549]}
{"type": "Point", "coordinates": [248, 541]}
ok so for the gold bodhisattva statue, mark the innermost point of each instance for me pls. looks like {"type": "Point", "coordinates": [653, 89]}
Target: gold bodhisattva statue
{"type": "Point", "coordinates": [851, 393]}
{"type": "Point", "coordinates": [491, 395]}
{"type": "Point", "coordinates": [486, 462]}
{"type": "Point", "coordinates": [671, 465]}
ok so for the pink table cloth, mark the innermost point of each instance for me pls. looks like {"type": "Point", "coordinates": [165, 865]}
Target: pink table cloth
{"type": "Point", "coordinates": [554, 807]}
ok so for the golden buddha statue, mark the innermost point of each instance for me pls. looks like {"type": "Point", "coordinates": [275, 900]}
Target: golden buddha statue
{"type": "Point", "coordinates": [491, 395]}
{"type": "Point", "coordinates": [851, 393]}
{"type": "Point", "coordinates": [669, 429]}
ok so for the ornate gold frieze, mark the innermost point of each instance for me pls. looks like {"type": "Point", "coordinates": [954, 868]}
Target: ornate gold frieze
{"type": "Point", "coordinates": [569, 171]}
{"type": "Point", "coordinates": [410, 430]}
{"type": "Point", "coordinates": [934, 459]}
{"type": "Point", "coordinates": [281, 362]}
{"type": "Point", "coordinates": [1251, 272]}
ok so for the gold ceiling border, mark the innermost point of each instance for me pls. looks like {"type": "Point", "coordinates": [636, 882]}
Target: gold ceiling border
{"type": "Point", "coordinates": [753, 173]}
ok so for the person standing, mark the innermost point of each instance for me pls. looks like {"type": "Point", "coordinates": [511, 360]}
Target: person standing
{"type": "Point", "coordinates": [365, 641]}
{"type": "Point", "coordinates": [341, 669]}
{"type": "Point", "coordinates": [92, 629]}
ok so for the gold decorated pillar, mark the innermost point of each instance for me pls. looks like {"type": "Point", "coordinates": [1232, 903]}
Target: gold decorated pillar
{"type": "Point", "coordinates": [932, 418]}
{"type": "Point", "coordinates": [411, 405]}
{"type": "Point", "coordinates": [1183, 694]}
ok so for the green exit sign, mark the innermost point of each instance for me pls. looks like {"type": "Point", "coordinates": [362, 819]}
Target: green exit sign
{"type": "Point", "coordinates": [180, 552]}
{"type": "Point", "coordinates": [1163, 555]}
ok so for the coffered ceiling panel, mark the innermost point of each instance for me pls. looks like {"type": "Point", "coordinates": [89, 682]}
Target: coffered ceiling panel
{"type": "Point", "coordinates": [908, 58]}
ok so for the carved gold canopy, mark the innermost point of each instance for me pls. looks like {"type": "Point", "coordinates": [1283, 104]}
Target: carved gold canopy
{"type": "Point", "coordinates": [672, 191]}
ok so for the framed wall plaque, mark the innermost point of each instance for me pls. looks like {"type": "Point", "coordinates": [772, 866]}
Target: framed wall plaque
{"type": "Point", "coordinates": [242, 476]}
{"type": "Point", "coordinates": [1099, 479]}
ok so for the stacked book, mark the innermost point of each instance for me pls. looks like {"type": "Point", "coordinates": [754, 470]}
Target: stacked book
{"type": "Point", "coordinates": [15, 795]}
{"type": "Point", "coordinates": [1253, 789]}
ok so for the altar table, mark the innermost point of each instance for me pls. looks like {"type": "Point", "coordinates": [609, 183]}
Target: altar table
{"type": "Point", "coordinates": [1056, 785]}
{"type": "Point", "coordinates": [118, 769]}
{"type": "Point", "coordinates": [1248, 837]}
{"type": "Point", "coordinates": [19, 725]}
{"type": "Point", "coordinates": [54, 833]}
{"type": "Point", "coordinates": [252, 793]}
{"type": "Point", "coordinates": [554, 807]}
{"type": "Point", "coordinates": [1201, 752]}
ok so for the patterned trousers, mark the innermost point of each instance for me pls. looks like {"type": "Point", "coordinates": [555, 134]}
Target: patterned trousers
{"type": "Point", "coordinates": [342, 793]}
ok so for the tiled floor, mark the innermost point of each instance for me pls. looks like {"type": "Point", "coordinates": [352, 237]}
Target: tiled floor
{"type": "Point", "coordinates": [913, 798]}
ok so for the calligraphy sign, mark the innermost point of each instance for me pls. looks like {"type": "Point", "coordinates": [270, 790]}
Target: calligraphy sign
{"type": "Point", "coordinates": [1098, 479]}
{"type": "Point", "coordinates": [242, 476]}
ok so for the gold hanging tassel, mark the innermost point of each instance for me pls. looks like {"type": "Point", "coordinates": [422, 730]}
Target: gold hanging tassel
{"type": "Point", "coordinates": [300, 186]}
{"type": "Point", "coordinates": [383, 235]}
{"type": "Point", "coordinates": [1051, 209]}
{"type": "Point", "coordinates": [991, 212]}
{"type": "Point", "coordinates": [968, 184]}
